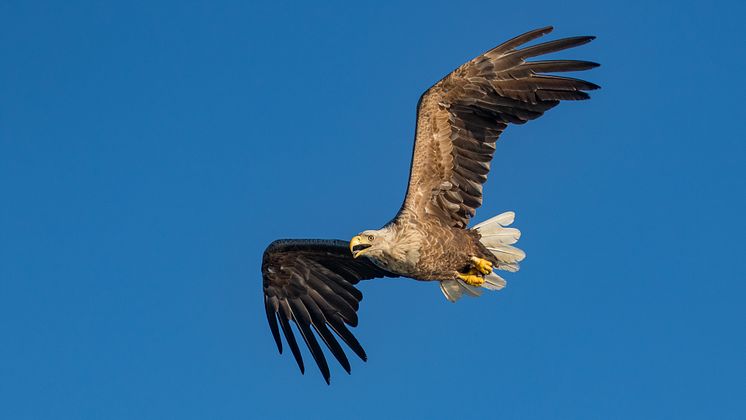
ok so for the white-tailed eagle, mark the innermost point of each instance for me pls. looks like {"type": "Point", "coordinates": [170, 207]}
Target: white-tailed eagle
{"type": "Point", "coordinates": [312, 282]}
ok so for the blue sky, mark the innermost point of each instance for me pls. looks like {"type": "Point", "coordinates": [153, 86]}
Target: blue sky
{"type": "Point", "coordinates": [149, 151]}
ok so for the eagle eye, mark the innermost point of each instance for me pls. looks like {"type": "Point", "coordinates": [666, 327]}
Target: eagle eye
{"type": "Point", "coordinates": [370, 237]}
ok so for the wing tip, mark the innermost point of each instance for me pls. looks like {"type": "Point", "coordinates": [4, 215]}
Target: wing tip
{"type": "Point", "coordinates": [590, 86]}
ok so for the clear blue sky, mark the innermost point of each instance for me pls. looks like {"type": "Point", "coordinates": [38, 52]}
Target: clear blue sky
{"type": "Point", "coordinates": [149, 151]}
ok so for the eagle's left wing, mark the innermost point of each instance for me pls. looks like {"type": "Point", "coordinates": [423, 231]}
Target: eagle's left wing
{"type": "Point", "coordinates": [460, 118]}
{"type": "Point", "coordinates": [311, 282]}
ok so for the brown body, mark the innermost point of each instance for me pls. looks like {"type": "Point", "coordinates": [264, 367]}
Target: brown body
{"type": "Point", "coordinates": [435, 263]}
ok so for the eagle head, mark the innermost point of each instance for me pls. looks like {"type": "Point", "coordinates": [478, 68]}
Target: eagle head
{"type": "Point", "coordinates": [371, 243]}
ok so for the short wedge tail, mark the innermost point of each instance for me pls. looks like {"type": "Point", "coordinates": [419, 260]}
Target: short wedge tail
{"type": "Point", "coordinates": [498, 238]}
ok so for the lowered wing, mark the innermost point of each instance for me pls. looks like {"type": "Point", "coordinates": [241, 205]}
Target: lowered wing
{"type": "Point", "coordinates": [311, 283]}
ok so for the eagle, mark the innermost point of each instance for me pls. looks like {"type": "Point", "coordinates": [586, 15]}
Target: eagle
{"type": "Point", "coordinates": [312, 282]}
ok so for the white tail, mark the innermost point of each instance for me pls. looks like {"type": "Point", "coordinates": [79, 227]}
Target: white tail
{"type": "Point", "coordinates": [499, 240]}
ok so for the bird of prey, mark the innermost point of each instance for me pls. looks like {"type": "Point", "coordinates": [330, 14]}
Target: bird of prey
{"type": "Point", "coordinates": [312, 282]}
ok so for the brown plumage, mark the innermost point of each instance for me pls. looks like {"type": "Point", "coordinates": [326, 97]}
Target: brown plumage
{"type": "Point", "coordinates": [458, 122]}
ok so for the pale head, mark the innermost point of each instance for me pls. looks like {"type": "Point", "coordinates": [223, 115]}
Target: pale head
{"type": "Point", "coordinates": [371, 243]}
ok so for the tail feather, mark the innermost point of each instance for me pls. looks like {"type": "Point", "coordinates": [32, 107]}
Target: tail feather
{"type": "Point", "coordinates": [509, 267]}
{"type": "Point", "coordinates": [453, 290]}
{"type": "Point", "coordinates": [507, 253]}
{"type": "Point", "coordinates": [502, 219]}
{"type": "Point", "coordinates": [498, 239]}
{"type": "Point", "coordinates": [505, 236]}
{"type": "Point", "coordinates": [494, 282]}
{"type": "Point", "coordinates": [469, 289]}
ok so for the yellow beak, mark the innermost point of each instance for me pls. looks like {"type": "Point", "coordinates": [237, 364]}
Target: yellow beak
{"type": "Point", "coordinates": [357, 240]}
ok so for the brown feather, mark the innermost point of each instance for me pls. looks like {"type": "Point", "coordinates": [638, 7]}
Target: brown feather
{"type": "Point", "coordinates": [460, 118]}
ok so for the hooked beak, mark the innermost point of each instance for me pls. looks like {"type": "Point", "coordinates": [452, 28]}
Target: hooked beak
{"type": "Point", "coordinates": [357, 246]}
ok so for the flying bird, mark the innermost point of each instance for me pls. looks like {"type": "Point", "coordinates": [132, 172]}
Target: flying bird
{"type": "Point", "coordinates": [459, 119]}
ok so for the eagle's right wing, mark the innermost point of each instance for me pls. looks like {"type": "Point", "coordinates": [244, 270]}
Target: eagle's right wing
{"type": "Point", "coordinates": [311, 282]}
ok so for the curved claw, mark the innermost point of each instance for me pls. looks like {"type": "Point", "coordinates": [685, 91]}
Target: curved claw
{"type": "Point", "coordinates": [484, 266]}
{"type": "Point", "coordinates": [471, 278]}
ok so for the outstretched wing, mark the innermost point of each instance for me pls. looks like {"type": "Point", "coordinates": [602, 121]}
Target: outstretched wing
{"type": "Point", "coordinates": [460, 118]}
{"type": "Point", "coordinates": [310, 282]}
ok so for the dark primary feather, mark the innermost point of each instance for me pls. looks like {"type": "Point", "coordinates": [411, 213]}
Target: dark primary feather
{"type": "Point", "coordinates": [311, 282]}
{"type": "Point", "coordinates": [460, 118]}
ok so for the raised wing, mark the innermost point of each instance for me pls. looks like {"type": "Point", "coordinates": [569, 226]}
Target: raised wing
{"type": "Point", "coordinates": [460, 118]}
{"type": "Point", "coordinates": [310, 282]}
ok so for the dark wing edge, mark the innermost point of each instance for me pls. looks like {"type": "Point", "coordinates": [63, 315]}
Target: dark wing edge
{"type": "Point", "coordinates": [311, 282]}
{"type": "Point", "coordinates": [461, 117]}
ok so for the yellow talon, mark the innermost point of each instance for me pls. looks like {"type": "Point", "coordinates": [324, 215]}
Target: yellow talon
{"type": "Point", "coordinates": [484, 266]}
{"type": "Point", "coordinates": [471, 278]}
